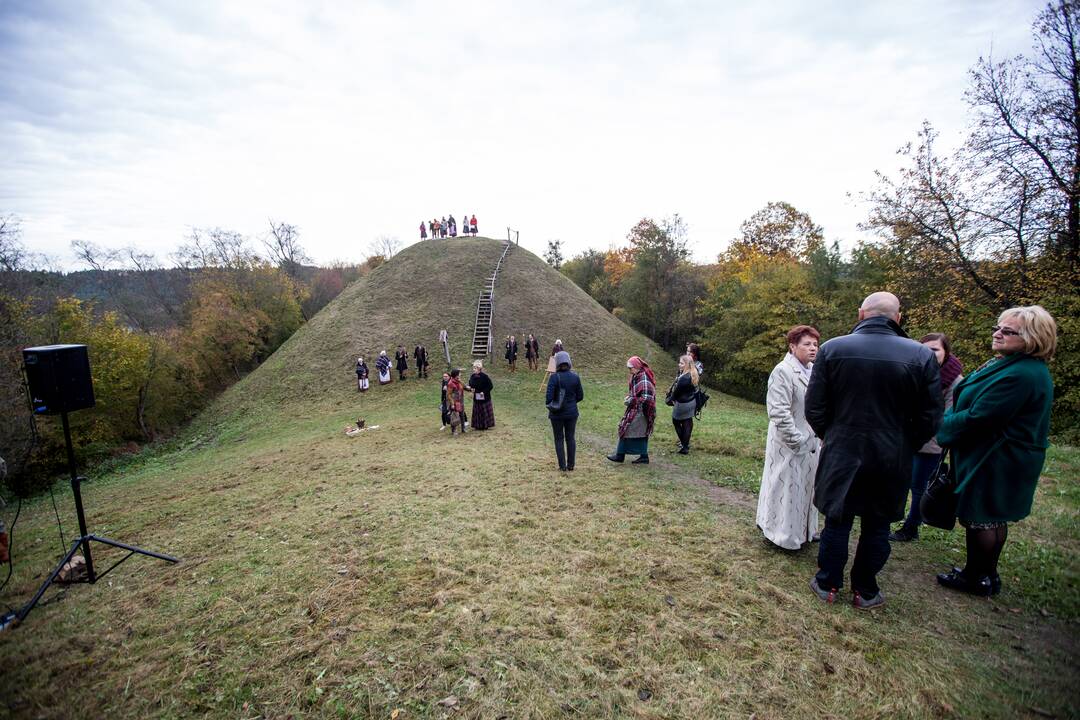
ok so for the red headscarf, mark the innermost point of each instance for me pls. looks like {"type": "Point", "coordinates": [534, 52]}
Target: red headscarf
{"type": "Point", "coordinates": [637, 364]}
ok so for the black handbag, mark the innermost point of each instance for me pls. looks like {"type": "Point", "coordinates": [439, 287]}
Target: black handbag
{"type": "Point", "coordinates": [938, 503]}
{"type": "Point", "coordinates": [560, 396]}
{"type": "Point", "coordinates": [669, 397]}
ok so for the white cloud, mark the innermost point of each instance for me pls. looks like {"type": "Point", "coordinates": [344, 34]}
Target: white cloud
{"type": "Point", "coordinates": [127, 122]}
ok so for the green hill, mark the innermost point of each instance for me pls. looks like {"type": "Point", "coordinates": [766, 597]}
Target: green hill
{"type": "Point", "coordinates": [406, 573]}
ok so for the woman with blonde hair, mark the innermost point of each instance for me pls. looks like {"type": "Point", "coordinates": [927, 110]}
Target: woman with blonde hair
{"type": "Point", "coordinates": [997, 434]}
{"type": "Point", "coordinates": [480, 385]}
{"type": "Point", "coordinates": [683, 398]}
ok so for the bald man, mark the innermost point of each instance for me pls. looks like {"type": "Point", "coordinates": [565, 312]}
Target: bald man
{"type": "Point", "coordinates": [874, 398]}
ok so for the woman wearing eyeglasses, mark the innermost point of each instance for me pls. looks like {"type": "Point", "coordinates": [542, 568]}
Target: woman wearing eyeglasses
{"type": "Point", "coordinates": [998, 433]}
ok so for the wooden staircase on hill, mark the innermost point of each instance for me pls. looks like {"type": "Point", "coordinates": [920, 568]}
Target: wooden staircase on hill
{"type": "Point", "coordinates": [485, 308]}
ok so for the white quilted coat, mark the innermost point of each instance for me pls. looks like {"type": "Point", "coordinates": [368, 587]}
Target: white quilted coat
{"type": "Point", "coordinates": [786, 512]}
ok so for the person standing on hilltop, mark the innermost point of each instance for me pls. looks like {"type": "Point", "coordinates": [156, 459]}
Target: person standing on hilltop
{"type": "Point", "coordinates": [480, 385]}
{"type": "Point", "coordinates": [472, 224]}
{"type": "Point", "coordinates": [564, 384]}
{"type": "Point", "coordinates": [361, 375]}
{"type": "Point", "coordinates": [874, 396]}
{"type": "Point", "coordinates": [423, 230]}
{"type": "Point", "coordinates": [637, 422]}
{"type": "Point", "coordinates": [402, 357]}
{"type": "Point", "coordinates": [453, 226]}
{"type": "Point", "coordinates": [532, 352]}
{"type": "Point", "coordinates": [382, 366]}
{"type": "Point", "coordinates": [431, 227]}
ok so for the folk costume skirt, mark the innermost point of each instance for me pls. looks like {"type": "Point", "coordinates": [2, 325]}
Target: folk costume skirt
{"type": "Point", "coordinates": [483, 415]}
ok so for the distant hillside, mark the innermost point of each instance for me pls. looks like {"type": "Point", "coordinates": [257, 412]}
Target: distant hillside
{"type": "Point", "coordinates": [156, 297]}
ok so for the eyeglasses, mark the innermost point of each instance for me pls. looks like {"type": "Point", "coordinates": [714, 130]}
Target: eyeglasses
{"type": "Point", "coordinates": [1007, 332]}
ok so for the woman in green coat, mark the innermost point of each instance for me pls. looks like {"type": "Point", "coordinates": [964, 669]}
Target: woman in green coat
{"type": "Point", "coordinates": [997, 434]}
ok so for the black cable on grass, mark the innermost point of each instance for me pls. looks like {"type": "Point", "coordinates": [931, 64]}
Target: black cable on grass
{"type": "Point", "coordinates": [11, 544]}
{"type": "Point", "coordinates": [63, 542]}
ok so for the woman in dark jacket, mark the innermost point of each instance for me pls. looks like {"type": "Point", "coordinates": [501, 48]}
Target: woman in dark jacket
{"type": "Point", "coordinates": [928, 458]}
{"type": "Point", "coordinates": [532, 352]}
{"type": "Point", "coordinates": [402, 356]}
{"type": "Point", "coordinates": [361, 375]}
{"type": "Point", "coordinates": [480, 385]}
{"type": "Point", "coordinates": [564, 420]}
{"type": "Point", "coordinates": [997, 433]}
{"type": "Point", "coordinates": [684, 402]}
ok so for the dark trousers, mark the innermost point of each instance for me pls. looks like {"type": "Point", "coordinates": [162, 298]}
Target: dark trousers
{"type": "Point", "coordinates": [563, 430]}
{"type": "Point", "coordinates": [683, 430]}
{"type": "Point", "coordinates": [870, 555]}
{"type": "Point", "coordinates": [922, 467]}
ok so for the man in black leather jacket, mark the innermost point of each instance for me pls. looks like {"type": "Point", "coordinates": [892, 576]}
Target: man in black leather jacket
{"type": "Point", "coordinates": [874, 398]}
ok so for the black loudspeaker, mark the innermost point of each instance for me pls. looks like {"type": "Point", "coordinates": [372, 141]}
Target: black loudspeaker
{"type": "Point", "coordinates": [58, 377]}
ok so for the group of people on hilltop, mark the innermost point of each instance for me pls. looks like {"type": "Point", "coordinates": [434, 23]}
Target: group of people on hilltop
{"type": "Point", "coordinates": [447, 227]}
{"type": "Point", "coordinates": [860, 422]}
{"type": "Point", "coordinates": [383, 366]}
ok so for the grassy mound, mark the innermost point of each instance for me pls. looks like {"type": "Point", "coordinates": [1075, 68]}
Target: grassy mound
{"type": "Point", "coordinates": [405, 573]}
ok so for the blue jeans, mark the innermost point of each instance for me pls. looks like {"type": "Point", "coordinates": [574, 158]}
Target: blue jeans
{"type": "Point", "coordinates": [923, 466]}
{"type": "Point", "coordinates": [870, 555]}
{"type": "Point", "coordinates": [563, 430]}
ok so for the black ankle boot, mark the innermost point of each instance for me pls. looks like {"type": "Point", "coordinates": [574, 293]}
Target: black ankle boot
{"type": "Point", "coordinates": [616, 457]}
{"type": "Point", "coordinates": [956, 580]}
{"type": "Point", "coordinates": [643, 460]}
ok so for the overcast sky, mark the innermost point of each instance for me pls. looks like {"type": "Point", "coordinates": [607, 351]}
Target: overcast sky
{"type": "Point", "coordinates": [126, 122]}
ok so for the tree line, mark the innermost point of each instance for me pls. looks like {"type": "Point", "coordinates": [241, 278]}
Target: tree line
{"type": "Point", "coordinates": [958, 236]}
{"type": "Point", "coordinates": [163, 341]}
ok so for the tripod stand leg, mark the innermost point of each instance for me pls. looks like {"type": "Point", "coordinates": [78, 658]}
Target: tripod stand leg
{"type": "Point", "coordinates": [25, 610]}
{"type": "Point", "coordinates": [132, 548]}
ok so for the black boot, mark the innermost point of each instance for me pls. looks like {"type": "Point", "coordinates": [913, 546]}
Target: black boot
{"type": "Point", "coordinates": [956, 580]}
{"type": "Point", "coordinates": [643, 460]}
{"type": "Point", "coordinates": [616, 457]}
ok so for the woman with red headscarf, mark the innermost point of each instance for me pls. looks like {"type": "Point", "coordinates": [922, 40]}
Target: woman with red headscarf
{"type": "Point", "coordinates": [637, 423]}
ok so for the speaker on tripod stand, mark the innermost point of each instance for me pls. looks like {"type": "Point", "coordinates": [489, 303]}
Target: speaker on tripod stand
{"type": "Point", "coordinates": [59, 381]}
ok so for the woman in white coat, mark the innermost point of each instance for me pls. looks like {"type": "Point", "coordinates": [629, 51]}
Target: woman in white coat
{"type": "Point", "coordinates": [786, 512]}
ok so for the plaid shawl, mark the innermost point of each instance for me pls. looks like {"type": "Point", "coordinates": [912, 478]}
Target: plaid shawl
{"type": "Point", "coordinates": [642, 394]}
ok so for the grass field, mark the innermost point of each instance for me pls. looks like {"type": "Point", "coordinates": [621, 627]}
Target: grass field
{"type": "Point", "coordinates": [406, 573]}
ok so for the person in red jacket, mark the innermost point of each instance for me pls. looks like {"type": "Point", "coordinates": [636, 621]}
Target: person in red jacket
{"type": "Point", "coordinates": [472, 224]}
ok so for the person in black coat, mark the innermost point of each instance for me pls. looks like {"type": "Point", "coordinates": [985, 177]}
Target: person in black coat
{"type": "Point", "coordinates": [564, 420]}
{"type": "Point", "coordinates": [402, 356]}
{"type": "Point", "coordinates": [480, 386]}
{"type": "Point", "coordinates": [420, 355]}
{"type": "Point", "coordinates": [511, 352]}
{"type": "Point", "coordinates": [874, 398]}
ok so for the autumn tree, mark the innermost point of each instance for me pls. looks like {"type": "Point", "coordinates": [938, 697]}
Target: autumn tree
{"type": "Point", "coordinates": [658, 293]}
{"type": "Point", "coordinates": [778, 229]}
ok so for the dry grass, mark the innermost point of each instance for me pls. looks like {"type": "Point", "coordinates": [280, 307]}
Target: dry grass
{"type": "Point", "coordinates": [407, 570]}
